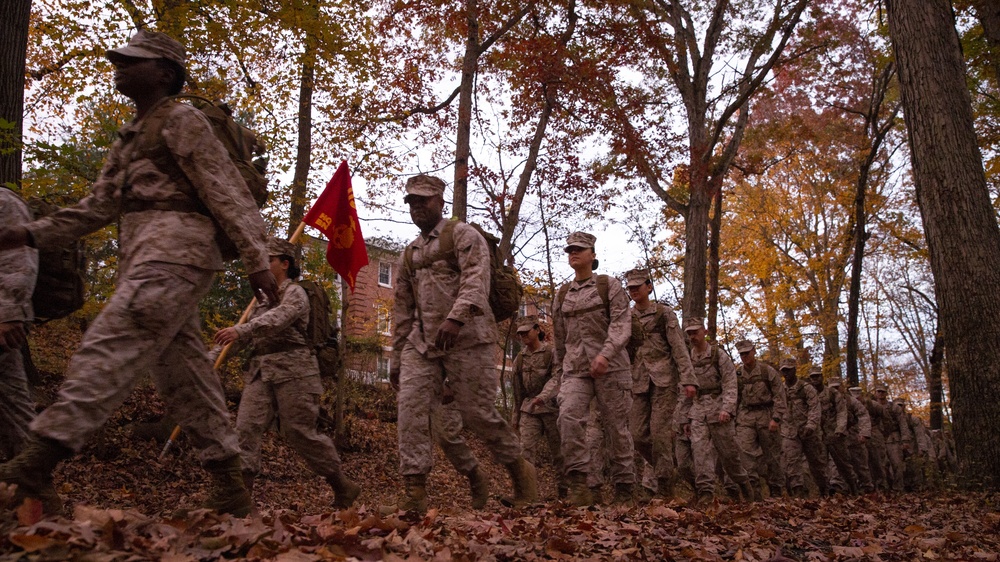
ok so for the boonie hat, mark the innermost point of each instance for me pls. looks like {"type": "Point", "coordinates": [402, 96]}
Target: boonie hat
{"type": "Point", "coordinates": [635, 277]}
{"type": "Point", "coordinates": [693, 323]}
{"type": "Point", "coordinates": [744, 346]}
{"type": "Point", "coordinates": [580, 240]}
{"type": "Point", "coordinates": [526, 324]}
{"type": "Point", "coordinates": [150, 45]}
{"type": "Point", "coordinates": [424, 186]}
{"type": "Point", "coordinates": [787, 363]}
{"type": "Point", "coordinates": [279, 247]}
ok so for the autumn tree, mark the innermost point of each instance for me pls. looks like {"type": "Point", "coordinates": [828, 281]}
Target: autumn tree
{"type": "Point", "coordinates": [963, 237]}
{"type": "Point", "coordinates": [14, 16]}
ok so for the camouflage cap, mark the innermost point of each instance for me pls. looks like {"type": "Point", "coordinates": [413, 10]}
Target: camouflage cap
{"type": "Point", "coordinates": [693, 323]}
{"type": "Point", "coordinates": [279, 247]}
{"type": "Point", "coordinates": [788, 363]}
{"type": "Point", "coordinates": [855, 391]}
{"type": "Point", "coordinates": [635, 277]}
{"type": "Point", "coordinates": [744, 346]}
{"type": "Point", "coordinates": [834, 381]}
{"type": "Point", "coordinates": [526, 324]}
{"type": "Point", "coordinates": [424, 186]}
{"type": "Point", "coordinates": [882, 389]}
{"type": "Point", "coordinates": [150, 45]}
{"type": "Point", "coordinates": [901, 401]}
{"type": "Point", "coordinates": [580, 240]}
{"type": "Point", "coordinates": [816, 372]}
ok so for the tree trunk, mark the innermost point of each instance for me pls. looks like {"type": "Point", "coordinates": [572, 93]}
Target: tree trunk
{"type": "Point", "coordinates": [303, 159]}
{"type": "Point", "coordinates": [14, 16]}
{"type": "Point", "coordinates": [854, 293]}
{"type": "Point", "coordinates": [935, 386]}
{"type": "Point", "coordinates": [959, 222]}
{"type": "Point", "coordinates": [695, 246]}
{"type": "Point", "coordinates": [470, 64]}
{"type": "Point", "coordinates": [715, 225]}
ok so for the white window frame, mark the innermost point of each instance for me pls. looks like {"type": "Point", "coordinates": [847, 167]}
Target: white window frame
{"type": "Point", "coordinates": [383, 319]}
{"type": "Point", "coordinates": [388, 267]}
{"type": "Point", "coordinates": [387, 362]}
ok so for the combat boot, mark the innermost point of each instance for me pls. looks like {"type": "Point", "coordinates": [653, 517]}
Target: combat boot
{"type": "Point", "coordinates": [799, 492]}
{"type": "Point", "coordinates": [522, 474]}
{"type": "Point", "coordinates": [624, 494]}
{"type": "Point", "coordinates": [703, 499]}
{"type": "Point", "coordinates": [344, 490]}
{"type": "Point", "coordinates": [414, 496]}
{"type": "Point", "coordinates": [248, 480]}
{"type": "Point", "coordinates": [665, 488]}
{"type": "Point", "coordinates": [578, 494]}
{"type": "Point", "coordinates": [597, 494]}
{"type": "Point", "coordinates": [479, 485]}
{"type": "Point", "coordinates": [229, 492]}
{"type": "Point", "coordinates": [750, 492]}
{"type": "Point", "coordinates": [32, 470]}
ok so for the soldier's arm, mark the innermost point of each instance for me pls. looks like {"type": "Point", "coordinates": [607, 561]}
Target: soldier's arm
{"type": "Point", "coordinates": [815, 413]}
{"type": "Point", "coordinates": [558, 335]}
{"type": "Point", "coordinates": [864, 420]}
{"type": "Point", "coordinates": [472, 298]}
{"type": "Point", "coordinates": [679, 351]}
{"type": "Point", "coordinates": [551, 388]}
{"type": "Point", "coordinates": [294, 304]}
{"type": "Point", "coordinates": [620, 328]}
{"type": "Point", "coordinates": [403, 309]}
{"type": "Point", "coordinates": [841, 404]}
{"type": "Point", "coordinates": [904, 424]}
{"type": "Point", "coordinates": [779, 396]}
{"type": "Point", "coordinates": [517, 387]}
{"type": "Point", "coordinates": [218, 183]}
{"type": "Point", "coordinates": [20, 265]}
{"type": "Point", "coordinates": [729, 391]}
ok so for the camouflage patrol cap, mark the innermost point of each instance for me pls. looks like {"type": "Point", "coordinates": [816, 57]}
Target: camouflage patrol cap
{"type": "Point", "coordinates": [788, 363]}
{"type": "Point", "coordinates": [580, 240]}
{"type": "Point", "coordinates": [693, 323]}
{"type": "Point", "coordinates": [150, 45]}
{"type": "Point", "coordinates": [882, 389]}
{"type": "Point", "coordinates": [526, 324]}
{"type": "Point", "coordinates": [816, 372]}
{"type": "Point", "coordinates": [834, 381]}
{"type": "Point", "coordinates": [635, 277]}
{"type": "Point", "coordinates": [855, 391]}
{"type": "Point", "coordinates": [279, 247]}
{"type": "Point", "coordinates": [423, 186]}
{"type": "Point", "coordinates": [744, 346]}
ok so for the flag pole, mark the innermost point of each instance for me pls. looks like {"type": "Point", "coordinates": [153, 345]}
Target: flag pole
{"type": "Point", "coordinates": [225, 350]}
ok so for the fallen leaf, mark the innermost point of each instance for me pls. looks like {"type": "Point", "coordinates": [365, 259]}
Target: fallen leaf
{"type": "Point", "coordinates": [32, 543]}
{"type": "Point", "coordinates": [29, 512]}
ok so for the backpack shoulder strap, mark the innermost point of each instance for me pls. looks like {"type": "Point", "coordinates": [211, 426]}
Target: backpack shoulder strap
{"type": "Point", "coordinates": [561, 295]}
{"type": "Point", "coordinates": [602, 291]}
{"type": "Point", "coordinates": [446, 250]}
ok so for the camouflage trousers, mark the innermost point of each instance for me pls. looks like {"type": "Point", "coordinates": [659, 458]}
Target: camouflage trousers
{"type": "Point", "coordinates": [859, 462]}
{"type": "Point", "coordinates": [760, 449]}
{"type": "Point", "coordinates": [685, 459]}
{"type": "Point", "coordinates": [150, 325]}
{"type": "Point", "coordinates": [295, 403]}
{"type": "Point", "coordinates": [804, 450]}
{"type": "Point", "coordinates": [897, 463]}
{"type": "Point", "coordinates": [652, 425]}
{"type": "Point", "coordinates": [446, 425]}
{"type": "Point", "coordinates": [16, 406]}
{"type": "Point", "coordinates": [613, 393]}
{"type": "Point", "coordinates": [600, 457]}
{"type": "Point", "coordinates": [878, 461]}
{"type": "Point", "coordinates": [711, 443]}
{"type": "Point", "coordinates": [840, 455]}
{"type": "Point", "coordinates": [471, 376]}
{"type": "Point", "coordinates": [536, 429]}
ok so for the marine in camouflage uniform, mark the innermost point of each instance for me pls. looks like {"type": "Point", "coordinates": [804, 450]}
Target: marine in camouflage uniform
{"type": "Point", "coordinates": [759, 416]}
{"type": "Point", "coordinates": [167, 230]}
{"type": "Point", "coordinates": [17, 283]}
{"type": "Point", "coordinates": [661, 365]}
{"type": "Point", "coordinates": [590, 340]}
{"type": "Point", "coordinates": [283, 380]}
{"type": "Point", "coordinates": [859, 432]}
{"type": "Point", "coordinates": [535, 411]}
{"type": "Point", "coordinates": [445, 333]}
{"type": "Point", "coordinates": [834, 405]}
{"type": "Point", "coordinates": [898, 439]}
{"type": "Point", "coordinates": [878, 460]}
{"type": "Point", "coordinates": [802, 436]}
{"type": "Point", "coordinates": [711, 408]}
{"type": "Point", "coordinates": [916, 463]}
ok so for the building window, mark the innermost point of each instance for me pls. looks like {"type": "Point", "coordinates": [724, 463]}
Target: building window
{"type": "Point", "coordinates": [543, 314]}
{"type": "Point", "coordinates": [384, 366]}
{"type": "Point", "coordinates": [385, 274]}
{"type": "Point", "coordinates": [384, 319]}
{"type": "Point", "coordinates": [523, 312]}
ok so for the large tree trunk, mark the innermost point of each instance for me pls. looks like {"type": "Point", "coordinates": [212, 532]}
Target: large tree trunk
{"type": "Point", "coordinates": [959, 223]}
{"type": "Point", "coordinates": [303, 153]}
{"type": "Point", "coordinates": [695, 247]}
{"type": "Point", "coordinates": [935, 386]}
{"type": "Point", "coordinates": [14, 16]}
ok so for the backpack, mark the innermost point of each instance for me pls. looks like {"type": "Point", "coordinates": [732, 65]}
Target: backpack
{"type": "Point", "coordinates": [319, 331]}
{"type": "Point", "coordinates": [59, 289]}
{"type": "Point", "coordinates": [506, 291]}
{"type": "Point", "coordinates": [240, 142]}
{"type": "Point", "coordinates": [635, 338]}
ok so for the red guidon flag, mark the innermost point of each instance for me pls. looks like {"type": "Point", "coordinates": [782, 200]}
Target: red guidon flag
{"type": "Point", "coordinates": [336, 216]}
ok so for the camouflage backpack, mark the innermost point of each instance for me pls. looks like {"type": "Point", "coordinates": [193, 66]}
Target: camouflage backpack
{"type": "Point", "coordinates": [635, 338]}
{"type": "Point", "coordinates": [319, 329]}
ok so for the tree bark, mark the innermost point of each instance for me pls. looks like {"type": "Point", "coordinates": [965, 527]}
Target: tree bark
{"type": "Point", "coordinates": [715, 240]}
{"type": "Point", "coordinates": [14, 16]}
{"type": "Point", "coordinates": [303, 158]}
{"type": "Point", "coordinates": [470, 64]}
{"type": "Point", "coordinates": [959, 222]}
{"type": "Point", "coordinates": [935, 386]}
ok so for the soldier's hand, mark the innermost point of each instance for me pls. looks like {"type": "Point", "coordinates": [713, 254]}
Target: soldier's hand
{"type": "Point", "coordinates": [725, 416]}
{"type": "Point", "coordinates": [599, 366]}
{"type": "Point", "coordinates": [394, 378]}
{"type": "Point", "coordinates": [226, 336]}
{"type": "Point", "coordinates": [12, 335]}
{"type": "Point", "coordinates": [447, 334]}
{"type": "Point", "coordinates": [807, 431]}
{"type": "Point", "coordinates": [13, 237]}
{"type": "Point", "coordinates": [773, 426]}
{"type": "Point", "coordinates": [690, 391]}
{"type": "Point", "coordinates": [265, 287]}
{"type": "Point", "coordinates": [536, 402]}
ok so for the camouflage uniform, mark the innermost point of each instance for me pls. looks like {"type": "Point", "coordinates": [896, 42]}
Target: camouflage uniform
{"type": "Point", "coordinates": [710, 438]}
{"type": "Point", "coordinates": [916, 463]}
{"type": "Point", "coordinates": [682, 445]}
{"type": "Point", "coordinates": [583, 331]}
{"type": "Point", "coordinates": [424, 299]}
{"type": "Point", "coordinates": [283, 380]}
{"type": "Point", "coordinates": [897, 433]}
{"type": "Point", "coordinates": [17, 282]}
{"type": "Point", "coordinates": [662, 364]}
{"type": "Point", "coordinates": [761, 401]}
{"type": "Point", "coordinates": [531, 374]}
{"type": "Point", "coordinates": [859, 432]}
{"type": "Point", "coordinates": [834, 405]}
{"type": "Point", "coordinates": [877, 458]}
{"type": "Point", "coordinates": [167, 261]}
{"type": "Point", "coordinates": [446, 426]}
{"type": "Point", "coordinates": [802, 436]}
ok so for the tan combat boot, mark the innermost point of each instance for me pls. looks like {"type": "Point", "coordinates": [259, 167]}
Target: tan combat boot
{"type": "Point", "coordinates": [31, 471]}
{"type": "Point", "coordinates": [624, 494]}
{"type": "Point", "coordinates": [248, 480]}
{"type": "Point", "coordinates": [229, 492]}
{"type": "Point", "coordinates": [344, 490]}
{"type": "Point", "coordinates": [578, 494]}
{"type": "Point", "coordinates": [750, 492]}
{"type": "Point", "coordinates": [479, 484]}
{"type": "Point", "coordinates": [665, 488]}
{"type": "Point", "coordinates": [522, 474]}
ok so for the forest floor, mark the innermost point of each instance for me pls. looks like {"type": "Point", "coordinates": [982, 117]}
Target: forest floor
{"type": "Point", "coordinates": [122, 504]}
